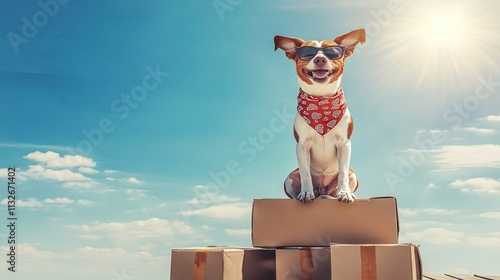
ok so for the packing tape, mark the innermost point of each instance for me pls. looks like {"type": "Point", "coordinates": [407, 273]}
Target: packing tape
{"type": "Point", "coordinates": [306, 263]}
{"type": "Point", "coordinates": [368, 262]}
{"type": "Point", "coordinates": [200, 259]}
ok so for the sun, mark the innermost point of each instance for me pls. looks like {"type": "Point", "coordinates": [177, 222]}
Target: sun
{"type": "Point", "coordinates": [437, 46]}
{"type": "Point", "coordinates": [444, 29]}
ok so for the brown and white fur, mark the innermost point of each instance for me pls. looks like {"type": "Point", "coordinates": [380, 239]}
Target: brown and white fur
{"type": "Point", "coordinates": [323, 160]}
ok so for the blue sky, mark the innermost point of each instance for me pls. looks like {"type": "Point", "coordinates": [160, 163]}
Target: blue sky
{"type": "Point", "coordinates": [139, 127]}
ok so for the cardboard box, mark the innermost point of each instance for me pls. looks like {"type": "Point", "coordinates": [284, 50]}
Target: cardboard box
{"type": "Point", "coordinates": [376, 262]}
{"type": "Point", "coordinates": [259, 264]}
{"type": "Point", "coordinates": [303, 263]}
{"type": "Point", "coordinates": [222, 263]}
{"type": "Point", "coordinates": [290, 223]}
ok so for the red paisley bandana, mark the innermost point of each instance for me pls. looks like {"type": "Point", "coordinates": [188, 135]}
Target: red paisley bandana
{"type": "Point", "coordinates": [321, 113]}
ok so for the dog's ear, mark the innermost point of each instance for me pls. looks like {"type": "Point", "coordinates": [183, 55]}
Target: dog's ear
{"type": "Point", "coordinates": [287, 44]}
{"type": "Point", "coordinates": [350, 40]}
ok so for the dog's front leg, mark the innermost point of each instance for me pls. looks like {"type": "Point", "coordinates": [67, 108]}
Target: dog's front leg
{"type": "Point", "coordinates": [344, 192]}
{"type": "Point", "coordinates": [304, 159]}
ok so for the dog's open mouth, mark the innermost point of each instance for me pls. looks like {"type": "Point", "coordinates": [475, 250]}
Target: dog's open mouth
{"type": "Point", "coordinates": [319, 75]}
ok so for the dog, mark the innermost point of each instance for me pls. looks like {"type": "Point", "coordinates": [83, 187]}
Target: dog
{"type": "Point", "coordinates": [323, 125]}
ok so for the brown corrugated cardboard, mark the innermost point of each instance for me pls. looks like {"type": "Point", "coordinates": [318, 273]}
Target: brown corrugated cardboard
{"type": "Point", "coordinates": [376, 262]}
{"type": "Point", "coordinates": [312, 263]}
{"type": "Point", "coordinates": [222, 263]}
{"type": "Point", "coordinates": [288, 222]}
{"type": "Point", "coordinates": [259, 264]}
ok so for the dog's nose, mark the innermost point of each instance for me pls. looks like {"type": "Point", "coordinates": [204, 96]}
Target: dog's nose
{"type": "Point", "coordinates": [320, 60]}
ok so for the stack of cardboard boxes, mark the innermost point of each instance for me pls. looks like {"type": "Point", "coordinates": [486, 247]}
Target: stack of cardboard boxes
{"type": "Point", "coordinates": [321, 240]}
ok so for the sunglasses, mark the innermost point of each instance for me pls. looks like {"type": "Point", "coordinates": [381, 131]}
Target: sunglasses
{"type": "Point", "coordinates": [332, 52]}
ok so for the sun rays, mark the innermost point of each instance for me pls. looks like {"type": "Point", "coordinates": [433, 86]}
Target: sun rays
{"type": "Point", "coordinates": [438, 45]}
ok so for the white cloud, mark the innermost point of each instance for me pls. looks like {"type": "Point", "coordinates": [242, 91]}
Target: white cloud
{"type": "Point", "coordinates": [407, 212]}
{"type": "Point", "coordinates": [88, 236]}
{"type": "Point", "coordinates": [232, 211]}
{"type": "Point", "coordinates": [31, 202]}
{"type": "Point", "coordinates": [84, 202]}
{"type": "Point", "coordinates": [492, 215]}
{"type": "Point", "coordinates": [207, 228]}
{"type": "Point", "coordinates": [434, 236]}
{"type": "Point", "coordinates": [148, 208]}
{"type": "Point", "coordinates": [120, 263]}
{"type": "Point", "coordinates": [493, 118]}
{"type": "Point", "coordinates": [212, 198]}
{"type": "Point", "coordinates": [135, 193]}
{"type": "Point", "coordinates": [484, 241]}
{"type": "Point", "coordinates": [58, 200]}
{"type": "Point", "coordinates": [406, 224]}
{"type": "Point", "coordinates": [110, 179]}
{"type": "Point", "coordinates": [239, 232]}
{"type": "Point", "coordinates": [128, 232]}
{"type": "Point", "coordinates": [200, 187]}
{"type": "Point", "coordinates": [90, 263]}
{"type": "Point", "coordinates": [109, 171]}
{"type": "Point", "coordinates": [88, 170]}
{"type": "Point", "coordinates": [478, 185]}
{"type": "Point", "coordinates": [456, 157]}
{"type": "Point", "coordinates": [54, 160]}
{"type": "Point", "coordinates": [432, 133]}
{"type": "Point", "coordinates": [438, 211]}
{"type": "Point", "coordinates": [432, 186]}
{"type": "Point", "coordinates": [486, 131]}
{"type": "Point", "coordinates": [79, 185]}
{"type": "Point", "coordinates": [426, 211]}
{"type": "Point", "coordinates": [4, 173]}
{"type": "Point", "coordinates": [204, 195]}
{"type": "Point", "coordinates": [134, 180]}
{"type": "Point", "coordinates": [411, 150]}
{"type": "Point", "coordinates": [39, 172]}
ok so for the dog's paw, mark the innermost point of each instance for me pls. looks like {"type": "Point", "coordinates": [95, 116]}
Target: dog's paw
{"type": "Point", "coordinates": [305, 196]}
{"type": "Point", "coordinates": [345, 196]}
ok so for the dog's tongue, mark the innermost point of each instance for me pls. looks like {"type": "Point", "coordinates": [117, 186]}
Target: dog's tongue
{"type": "Point", "coordinates": [320, 74]}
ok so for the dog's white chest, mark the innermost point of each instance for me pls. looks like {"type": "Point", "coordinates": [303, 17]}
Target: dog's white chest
{"type": "Point", "coordinates": [323, 148]}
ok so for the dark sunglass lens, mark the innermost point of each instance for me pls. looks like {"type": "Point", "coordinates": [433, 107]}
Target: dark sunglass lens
{"type": "Point", "coordinates": [306, 53]}
{"type": "Point", "coordinates": [333, 52]}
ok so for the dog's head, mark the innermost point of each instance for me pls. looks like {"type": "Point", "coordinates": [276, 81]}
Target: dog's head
{"type": "Point", "coordinates": [320, 63]}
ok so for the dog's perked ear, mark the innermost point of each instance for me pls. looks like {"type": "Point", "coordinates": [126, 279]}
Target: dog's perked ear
{"type": "Point", "coordinates": [287, 44]}
{"type": "Point", "coordinates": [350, 40]}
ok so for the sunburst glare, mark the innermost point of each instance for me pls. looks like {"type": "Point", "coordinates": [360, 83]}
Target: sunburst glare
{"type": "Point", "coordinates": [445, 29]}
{"type": "Point", "coordinates": [437, 45]}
